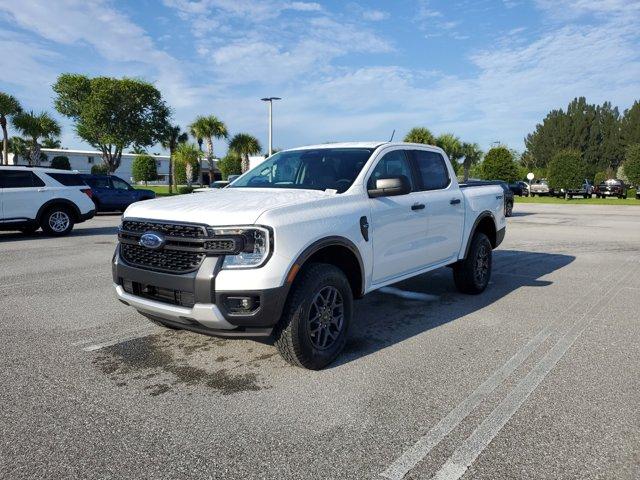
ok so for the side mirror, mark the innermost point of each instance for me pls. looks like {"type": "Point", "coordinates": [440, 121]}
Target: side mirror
{"type": "Point", "coordinates": [389, 187]}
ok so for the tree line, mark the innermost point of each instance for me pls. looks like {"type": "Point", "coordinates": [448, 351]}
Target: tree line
{"type": "Point", "coordinates": [114, 114]}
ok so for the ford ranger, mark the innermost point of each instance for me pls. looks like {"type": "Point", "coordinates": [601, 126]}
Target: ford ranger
{"type": "Point", "coordinates": [285, 249]}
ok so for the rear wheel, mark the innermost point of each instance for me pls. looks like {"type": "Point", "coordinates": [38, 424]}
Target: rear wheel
{"type": "Point", "coordinates": [472, 274]}
{"type": "Point", "coordinates": [314, 325]}
{"type": "Point", "coordinates": [57, 221]}
{"type": "Point", "coordinates": [508, 209]}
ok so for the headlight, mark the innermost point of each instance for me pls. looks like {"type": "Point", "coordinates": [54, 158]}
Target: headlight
{"type": "Point", "coordinates": [256, 246]}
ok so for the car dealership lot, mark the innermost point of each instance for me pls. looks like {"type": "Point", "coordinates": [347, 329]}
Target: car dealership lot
{"type": "Point", "coordinates": [537, 377]}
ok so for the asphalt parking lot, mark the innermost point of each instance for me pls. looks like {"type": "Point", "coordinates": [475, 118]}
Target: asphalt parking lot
{"type": "Point", "coordinates": [536, 378]}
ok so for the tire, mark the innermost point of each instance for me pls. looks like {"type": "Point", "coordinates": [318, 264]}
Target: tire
{"type": "Point", "coordinates": [624, 197]}
{"type": "Point", "coordinates": [317, 287]}
{"type": "Point", "coordinates": [57, 221]}
{"type": "Point", "coordinates": [479, 256]}
{"type": "Point", "coordinates": [508, 209]}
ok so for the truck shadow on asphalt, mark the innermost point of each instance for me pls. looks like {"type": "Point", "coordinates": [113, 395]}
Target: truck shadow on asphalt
{"type": "Point", "coordinates": [392, 315]}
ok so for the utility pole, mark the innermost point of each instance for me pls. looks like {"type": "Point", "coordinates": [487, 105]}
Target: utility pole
{"type": "Point", "coordinates": [270, 100]}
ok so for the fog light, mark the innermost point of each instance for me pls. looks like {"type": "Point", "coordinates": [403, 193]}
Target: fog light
{"type": "Point", "coordinates": [242, 304]}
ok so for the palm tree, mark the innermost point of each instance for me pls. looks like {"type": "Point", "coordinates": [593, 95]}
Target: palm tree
{"type": "Point", "coordinates": [172, 136]}
{"type": "Point", "coordinates": [452, 147]}
{"type": "Point", "coordinates": [244, 145]}
{"type": "Point", "coordinates": [19, 147]}
{"type": "Point", "coordinates": [36, 126]}
{"type": "Point", "coordinates": [9, 106]}
{"type": "Point", "coordinates": [472, 155]}
{"type": "Point", "coordinates": [208, 128]}
{"type": "Point", "coordinates": [420, 135]}
{"type": "Point", "coordinates": [51, 142]}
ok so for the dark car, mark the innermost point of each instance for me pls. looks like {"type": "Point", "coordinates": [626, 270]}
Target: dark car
{"type": "Point", "coordinates": [611, 188]}
{"type": "Point", "coordinates": [585, 190]}
{"type": "Point", "coordinates": [519, 188]}
{"type": "Point", "coordinates": [111, 193]}
{"type": "Point", "coordinates": [508, 193]}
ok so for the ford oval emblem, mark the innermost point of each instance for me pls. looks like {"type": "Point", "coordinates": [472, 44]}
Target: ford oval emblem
{"type": "Point", "coordinates": [152, 240]}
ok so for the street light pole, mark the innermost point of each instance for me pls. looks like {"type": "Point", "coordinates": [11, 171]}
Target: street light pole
{"type": "Point", "coordinates": [270, 100]}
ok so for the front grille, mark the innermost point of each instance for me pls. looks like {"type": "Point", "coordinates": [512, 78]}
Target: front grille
{"type": "Point", "coordinates": [169, 229]}
{"type": "Point", "coordinates": [174, 261]}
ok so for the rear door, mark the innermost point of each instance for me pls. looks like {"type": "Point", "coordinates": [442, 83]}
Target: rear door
{"type": "Point", "coordinates": [123, 193]}
{"type": "Point", "coordinates": [398, 223]}
{"type": "Point", "coordinates": [23, 193]}
{"type": "Point", "coordinates": [439, 191]}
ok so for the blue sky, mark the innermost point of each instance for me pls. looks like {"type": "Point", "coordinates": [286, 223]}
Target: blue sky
{"type": "Point", "coordinates": [485, 70]}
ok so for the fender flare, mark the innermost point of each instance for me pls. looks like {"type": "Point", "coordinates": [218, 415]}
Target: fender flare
{"type": "Point", "coordinates": [479, 218]}
{"type": "Point", "coordinates": [318, 245]}
{"type": "Point", "coordinates": [75, 211]}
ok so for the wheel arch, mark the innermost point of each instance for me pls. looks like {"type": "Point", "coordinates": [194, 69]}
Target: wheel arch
{"type": "Point", "coordinates": [338, 251]}
{"type": "Point", "coordinates": [73, 208]}
{"type": "Point", "coordinates": [485, 223]}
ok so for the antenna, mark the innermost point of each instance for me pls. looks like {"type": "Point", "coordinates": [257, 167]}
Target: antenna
{"type": "Point", "coordinates": [394, 132]}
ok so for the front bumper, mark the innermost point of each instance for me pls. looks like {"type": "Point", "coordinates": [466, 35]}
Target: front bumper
{"type": "Point", "coordinates": [194, 301]}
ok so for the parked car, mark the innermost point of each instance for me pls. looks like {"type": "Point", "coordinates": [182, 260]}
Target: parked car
{"type": "Point", "coordinates": [638, 193]}
{"type": "Point", "coordinates": [612, 187]}
{"type": "Point", "coordinates": [219, 184]}
{"type": "Point", "coordinates": [541, 188]}
{"type": "Point", "coordinates": [285, 249]}
{"type": "Point", "coordinates": [51, 199]}
{"type": "Point", "coordinates": [232, 178]}
{"type": "Point", "coordinates": [111, 193]}
{"type": "Point", "coordinates": [520, 188]}
{"type": "Point", "coordinates": [585, 190]}
{"type": "Point", "coordinates": [508, 193]}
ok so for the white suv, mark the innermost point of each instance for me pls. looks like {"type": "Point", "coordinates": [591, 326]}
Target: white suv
{"type": "Point", "coordinates": [53, 199]}
{"type": "Point", "coordinates": [285, 248]}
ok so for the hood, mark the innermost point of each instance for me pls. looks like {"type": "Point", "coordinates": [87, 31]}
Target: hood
{"type": "Point", "coordinates": [219, 207]}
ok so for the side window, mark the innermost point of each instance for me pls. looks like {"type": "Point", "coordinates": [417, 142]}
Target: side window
{"type": "Point", "coordinates": [119, 184]}
{"type": "Point", "coordinates": [68, 179]}
{"type": "Point", "coordinates": [393, 164]}
{"type": "Point", "coordinates": [19, 179]}
{"type": "Point", "coordinates": [432, 170]}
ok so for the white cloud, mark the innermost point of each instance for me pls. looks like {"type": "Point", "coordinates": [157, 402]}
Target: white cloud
{"type": "Point", "coordinates": [305, 6]}
{"type": "Point", "coordinates": [374, 15]}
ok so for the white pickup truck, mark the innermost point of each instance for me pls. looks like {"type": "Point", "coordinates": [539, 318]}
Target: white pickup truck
{"type": "Point", "coordinates": [286, 248]}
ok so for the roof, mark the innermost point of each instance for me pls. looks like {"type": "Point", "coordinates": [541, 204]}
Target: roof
{"type": "Point", "coordinates": [359, 145]}
{"type": "Point", "coordinates": [38, 168]}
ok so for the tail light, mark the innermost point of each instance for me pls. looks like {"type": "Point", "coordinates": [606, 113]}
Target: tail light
{"type": "Point", "coordinates": [88, 191]}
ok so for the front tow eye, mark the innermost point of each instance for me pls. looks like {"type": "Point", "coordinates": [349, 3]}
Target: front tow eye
{"type": "Point", "coordinates": [364, 228]}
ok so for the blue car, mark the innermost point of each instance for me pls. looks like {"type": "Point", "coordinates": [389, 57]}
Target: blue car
{"type": "Point", "coordinates": [111, 193]}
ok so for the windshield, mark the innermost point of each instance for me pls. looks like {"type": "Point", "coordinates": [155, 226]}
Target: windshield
{"type": "Point", "coordinates": [319, 169]}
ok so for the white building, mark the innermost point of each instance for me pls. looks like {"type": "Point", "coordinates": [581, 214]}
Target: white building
{"type": "Point", "coordinates": [83, 160]}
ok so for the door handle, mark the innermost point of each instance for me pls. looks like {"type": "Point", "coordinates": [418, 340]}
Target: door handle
{"type": "Point", "coordinates": [417, 206]}
{"type": "Point", "coordinates": [454, 201]}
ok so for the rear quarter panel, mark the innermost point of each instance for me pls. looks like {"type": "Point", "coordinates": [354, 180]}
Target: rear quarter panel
{"type": "Point", "coordinates": [478, 200]}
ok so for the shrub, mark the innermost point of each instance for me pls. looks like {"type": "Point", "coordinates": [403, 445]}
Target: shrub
{"type": "Point", "coordinates": [566, 170]}
{"type": "Point", "coordinates": [632, 164]}
{"type": "Point", "coordinates": [499, 164]}
{"type": "Point", "coordinates": [186, 154]}
{"type": "Point", "coordinates": [61, 162]}
{"type": "Point", "coordinates": [184, 189]}
{"type": "Point", "coordinates": [231, 164]}
{"type": "Point", "coordinates": [599, 178]}
{"type": "Point", "coordinates": [99, 169]}
{"type": "Point", "coordinates": [144, 168]}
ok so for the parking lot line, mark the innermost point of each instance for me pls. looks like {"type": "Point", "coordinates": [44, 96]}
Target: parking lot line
{"type": "Point", "coordinates": [108, 343]}
{"type": "Point", "coordinates": [458, 463]}
{"type": "Point", "coordinates": [411, 457]}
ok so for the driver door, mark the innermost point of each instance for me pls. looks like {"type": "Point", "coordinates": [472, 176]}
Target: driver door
{"type": "Point", "coordinates": [122, 194]}
{"type": "Point", "coordinates": [398, 223]}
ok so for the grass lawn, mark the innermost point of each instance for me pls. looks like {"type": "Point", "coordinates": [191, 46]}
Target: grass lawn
{"type": "Point", "coordinates": [631, 200]}
{"type": "Point", "coordinates": [161, 190]}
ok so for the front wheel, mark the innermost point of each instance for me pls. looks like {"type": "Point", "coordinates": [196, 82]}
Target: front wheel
{"type": "Point", "coordinates": [472, 274]}
{"type": "Point", "coordinates": [313, 329]}
{"type": "Point", "coordinates": [57, 221]}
